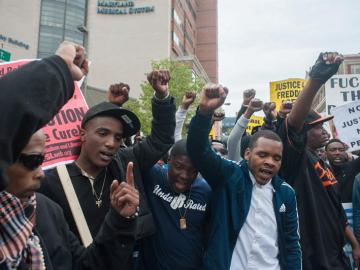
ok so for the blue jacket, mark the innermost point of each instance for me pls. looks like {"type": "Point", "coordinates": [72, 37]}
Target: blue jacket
{"type": "Point", "coordinates": [232, 189]}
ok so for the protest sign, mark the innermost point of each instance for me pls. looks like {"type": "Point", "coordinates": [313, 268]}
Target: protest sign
{"type": "Point", "coordinates": [341, 89]}
{"type": "Point", "coordinates": [285, 90]}
{"type": "Point", "coordinates": [347, 123]}
{"type": "Point", "coordinates": [63, 131]}
{"type": "Point", "coordinates": [254, 122]}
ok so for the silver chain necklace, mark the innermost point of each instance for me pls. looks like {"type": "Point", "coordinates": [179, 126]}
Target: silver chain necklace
{"type": "Point", "coordinates": [98, 199]}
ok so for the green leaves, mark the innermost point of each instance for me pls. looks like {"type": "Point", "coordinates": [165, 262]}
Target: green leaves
{"type": "Point", "coordinates": [182, 80]}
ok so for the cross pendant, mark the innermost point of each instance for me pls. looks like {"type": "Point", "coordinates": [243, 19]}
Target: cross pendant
{"type": "Point", "coordinates": [98, 203]}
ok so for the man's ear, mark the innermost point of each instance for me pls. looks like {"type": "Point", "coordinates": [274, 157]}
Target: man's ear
{"type": "Point", "coordinates": [83, 135]}
{"type": "Point", "coordinates": [247, 154]}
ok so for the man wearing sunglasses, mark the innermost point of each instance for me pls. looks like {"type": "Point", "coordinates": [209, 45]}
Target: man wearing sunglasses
{"type": "Point", "coordinates": [31, 95]}
{"type": "Point", "coordinates": [40, 237]}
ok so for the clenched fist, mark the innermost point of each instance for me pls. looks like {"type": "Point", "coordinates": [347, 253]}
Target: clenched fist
{"type": "Point", "coordinates": [326, 66]}
{"type": "Point", "coordinates": [159, 80]}
{"type": "Point", "coordinates": [118, 93]}
{"type": "Point", "coordinates": [188, 99]}
{"type": "Point", "coordinates": [212, 97]}
{"type": "Point", "coordinates": [74, 56]}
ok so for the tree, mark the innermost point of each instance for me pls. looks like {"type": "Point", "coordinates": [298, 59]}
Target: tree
{"type": "Point", "coordinates": [182, 80]}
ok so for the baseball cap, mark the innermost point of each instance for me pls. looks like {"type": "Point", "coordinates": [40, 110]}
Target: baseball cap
{"type": "Point", "coordinates": [313, 118]}
{"type": "Point", "coordinates": [128, 119]}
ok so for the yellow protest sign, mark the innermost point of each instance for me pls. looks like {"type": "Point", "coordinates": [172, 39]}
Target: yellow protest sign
{"type": "Point", "coordinates": [285, 90]}
{"type": "Point", "coordinates": [254, 121]}
{"type": "Point", "coordinates": [212, 133]}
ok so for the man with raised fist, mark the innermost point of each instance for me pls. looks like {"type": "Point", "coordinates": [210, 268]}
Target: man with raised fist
{"type": "Point", "coordinates": [250, 105]}
{"type": "Point", "coordinates": [253, 223]}
{"type": "Point", "coordinates": [323, 223]}
{"type": "Point", "coordinates": [101, 159]}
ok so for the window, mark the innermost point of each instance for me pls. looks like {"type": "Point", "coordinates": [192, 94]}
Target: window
{"type": "Point", "coordinates": [191, 8]}
{"type": "Point", "coordinates": [355, 69]}
{"type": "Point", "coordinates": [177, 18]}
{"type": "Point", "coordinates": [59, 20]}
{"type": "Point", "coordinates": [176, 39]}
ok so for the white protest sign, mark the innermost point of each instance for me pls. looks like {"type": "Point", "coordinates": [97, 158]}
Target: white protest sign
{"type": "Point", "coordinates": [347, 123]}
{"type": "Point", "coordinates": [341, 89]}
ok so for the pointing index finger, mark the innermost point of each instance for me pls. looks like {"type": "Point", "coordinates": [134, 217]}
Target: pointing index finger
{"type": "Point", "coordinates": [130, 174]}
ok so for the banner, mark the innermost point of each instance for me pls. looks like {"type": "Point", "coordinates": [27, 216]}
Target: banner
{"type": "Point", "coordinates": [285, 90]}
{"type": "Point", "coordinates": [254, 122]}
{"type": "Point", "coordinates": [63, 131]}
{"type": "Point", "coordinates": [341, 89]}
{"type": "Point", "coordinates": [347, 123]}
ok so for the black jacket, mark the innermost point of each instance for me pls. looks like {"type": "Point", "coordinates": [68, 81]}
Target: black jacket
{"type": "Point", "coordinates": [62, 250]}
{"type": "Point", "coordinates": [143, 155]}
{"type": "Point", "coordinates": [29, 97]}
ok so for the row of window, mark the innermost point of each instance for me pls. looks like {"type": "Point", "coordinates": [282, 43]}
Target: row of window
{"type": "Point", "coordinates": [59, 20]}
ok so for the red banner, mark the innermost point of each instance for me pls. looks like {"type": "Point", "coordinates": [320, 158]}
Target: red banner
{"type": "Point", "coordinates": [63, 131]}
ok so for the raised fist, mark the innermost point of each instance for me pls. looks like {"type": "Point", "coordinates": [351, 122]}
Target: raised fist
{"type": "Point", "coordinates": [255, 105]}
{"type": "Point", "coordinates": [269, 109]}
{"type": "Point", "coordinates": [159, 80]}
{"type": "Point", "coordinates": [326, 66]}
{"type": "Point", "coordinates": [248, 95]}
{"type": "Point", "coordinates": [218, 116]}
{"type": "Point", "coordinates": [188, 99]}
{"type": "Point", "coordinates": [118, 93]}
{"type": "Point", "coordinates": [285, 109]}
{"type": "Point", "coordinates": [212, 97]}
{"type": "Point", "coordinates": [74, 56]}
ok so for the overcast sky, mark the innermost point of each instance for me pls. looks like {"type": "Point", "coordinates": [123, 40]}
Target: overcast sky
{"type": "Point", "coordinates": [269, 40]}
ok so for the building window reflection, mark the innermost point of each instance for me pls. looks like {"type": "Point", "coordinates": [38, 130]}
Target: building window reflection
{"type": "Point", "coordinates": [59, 20]}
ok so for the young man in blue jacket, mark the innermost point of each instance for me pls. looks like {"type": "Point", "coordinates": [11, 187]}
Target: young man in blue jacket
{"type": "Point", "coordinates": [254, 220]}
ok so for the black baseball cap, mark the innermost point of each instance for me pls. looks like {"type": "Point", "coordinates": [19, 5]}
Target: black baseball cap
{"type": "Point", "coordinates": [314, 118]}
{"type": "Point", "coordinates": [129, 120]}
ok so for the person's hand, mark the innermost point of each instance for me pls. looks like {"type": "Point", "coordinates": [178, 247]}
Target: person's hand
{"type": "Point", "coordinates": [159, 81]}
{"type": "Point", "coordinates": [248, 95]}
{"type": "Point", "coordinates": [212, 97]}
{"type": "Point", "coordinates": [269, 109]}
{"type": "Point", "coordinates": [326, 66]}
{"type": "Point", "coordinates": [285, 109]}
{"type": "Point", "coordinates": [188, 99]}
{"type": "Point", "coordinates": [255, 105]}
{"type": "Point", "coordinates": [218, 116]}
{"type": "Point", "coordinates": [356, 256]}
{"type": "Point", "coordinates": [74, 57]}
{"type": "Point", "coordinates": [124, 197]}
{"type": "Point", "coordinates": [118, 93]}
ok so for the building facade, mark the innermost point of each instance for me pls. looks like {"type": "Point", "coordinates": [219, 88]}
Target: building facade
{"type": "Point", "coordinates": [121, 37]}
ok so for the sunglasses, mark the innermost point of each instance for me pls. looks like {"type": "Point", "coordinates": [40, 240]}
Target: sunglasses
{"type": "Point", "coordinates": [32, 161]}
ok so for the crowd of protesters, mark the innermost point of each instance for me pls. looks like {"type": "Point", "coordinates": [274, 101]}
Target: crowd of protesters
{"type": "Point", "coordinates": [272, 199]}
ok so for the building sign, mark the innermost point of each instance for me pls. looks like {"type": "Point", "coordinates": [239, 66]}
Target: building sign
{"type": "Point", "coordinates": [14, 42]}
{"type": "Point", "coordinates": [4, 55]}
{"type": "Point", "coordinates": [122, 7]}
{"type": "Point", "coordinates": [285, 90]}
{"type": "Point", "coordinates": [341, 89]}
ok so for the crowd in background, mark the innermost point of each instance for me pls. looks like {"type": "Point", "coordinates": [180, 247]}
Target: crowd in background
{"type": "Point", "coordinates": [272, 199]}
